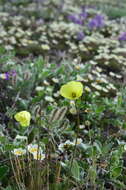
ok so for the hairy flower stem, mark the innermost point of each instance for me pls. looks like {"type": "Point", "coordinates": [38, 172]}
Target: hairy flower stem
{"type": "Point", "coordinates": [47, 166]}
{"type": "Point", "coordinates": [58, 173]}
{"type": "Point", "coordinates": [93, 160]}
{"type": "Point", "coordinates": [48, 158]}
{"type": "Point", "coordinates": [77, 133]}
{"type": "Point", "coordinates": [37, 161]}
{"type": "Point", "coordinates": [14, 172]}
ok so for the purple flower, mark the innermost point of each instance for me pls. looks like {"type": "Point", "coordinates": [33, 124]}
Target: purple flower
{"type": "Point", "coordinates": [80, 35]}
{"type": "Point", "coordinates": [92, 24]}
{"type": "Point", "coordinates": [4, 76]}
{"type": "Point", "coordinates": [96, 22]}
{"type": "Point", "coordinates": [78, 21]}
{"type": "Point", "coordinates": [12, 73]}
{"type": "Point", "coordinates": [72, 18]}
{"type": "Point", "coordinates": [78, 18]}
{"type": "Point", "coordinates": [122, 36]}
{"type": "Point", "coordinates": [7, 76]}
{"type": "Point", "coordinates": [100, 20]}
{"type": "Point", "coordinates": [75, 19]}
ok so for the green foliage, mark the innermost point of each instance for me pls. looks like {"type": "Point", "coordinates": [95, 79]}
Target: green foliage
{"type": "Point", "coordinates": [82, 142]}
{"type": "Point", "coordinates": [3, 171]}
{"type": "Point", "coordinates": [75, 170]}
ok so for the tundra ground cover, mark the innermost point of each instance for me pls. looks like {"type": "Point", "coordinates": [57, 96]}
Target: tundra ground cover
{"type": "Point", "coordinates": [62, 98]}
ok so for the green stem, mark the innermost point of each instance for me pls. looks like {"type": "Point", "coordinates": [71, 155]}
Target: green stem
{"type": "Point", "coordinates": [93, 159]}
{"type": "Point", "coordinates": [77, 133]}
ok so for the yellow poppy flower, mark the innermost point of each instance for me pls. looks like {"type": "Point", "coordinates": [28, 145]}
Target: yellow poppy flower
{"type": "Point", "coordinates": [23, 118]}
{"type": "Point", "coordinates": [72, 90]}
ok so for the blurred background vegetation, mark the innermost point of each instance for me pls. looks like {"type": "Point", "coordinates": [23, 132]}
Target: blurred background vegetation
{"type": "Point", "coordinates": [113, 8]}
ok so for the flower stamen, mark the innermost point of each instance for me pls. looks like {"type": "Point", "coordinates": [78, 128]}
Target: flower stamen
{"type": "Point", "coordinates": [73, 94]}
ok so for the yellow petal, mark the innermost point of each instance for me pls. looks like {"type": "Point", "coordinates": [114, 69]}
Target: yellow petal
{"type": "Point", "coordinates": [23, 118]}
{"type": "Point", "coordinates": [72, 90]}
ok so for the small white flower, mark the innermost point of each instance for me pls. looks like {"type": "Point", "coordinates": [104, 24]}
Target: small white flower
{"type": "Point", "coordinates": [112, 74]}
{"type": "Point", "coordinates": [112, 86]}
{"type": "Point", "coordinates": [87, 89]}
{"type": "Point", "coordinates": [104, 90]}
{"type": "Point", "coordinates": [118, 76]}
{"type": "Point", "coordinates": [69, 143]}
{"type": "Point", "coordinates": [81, 126]}
{"type": "Point", "coordinates": [49, 99]}
{"type": "Point", "coordinates": [90, 77]}
{"type": "Point", "coordinates": [46, 82]}
{"type": "Point", "coordinates": [96, 86]}
{"type": "Point", "coordinates": [79, 141]}
{"type": "Point", "coordinates": [95, 72]}
{"type": "Point", "coordinates": [99, 69]}
{"type": "Point", "coordinates": [34, 148]}
{"type": "Point", "coordinates": [19, 151]}
{"type": "Point", "coordinates": [45, 47]}
{"type": "Point", "coordinates": [65, 145]}
{"type": "Point", "coordinates": [97, 93]}
{"type": "Point", "coordinates": [39, 88]}
{"type": "Point", "coordinates": [56, 94]}
{"type": "Point", "coordinates": [93, 63]}
{"type": "Point", "coordinates": [55, 80]}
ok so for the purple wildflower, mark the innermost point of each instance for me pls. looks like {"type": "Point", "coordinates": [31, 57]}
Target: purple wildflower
{"type": "Point", "coordinates": [79, 21]}
{"type": "Point", "coordinates": [72, 18]}
{"type": "Point", "coordinates": [122, 36]}
{"type": "Point", "coordinates": [13, 73]}
{"type": "Point", "coordinates": [4, 76]}
{"type": "Point", "coordinates": [100, 20]}
{"type": "Point", "coordinates": [75, 19]}
{"type": "Point", "coordinates": [7, 76]}
{"type": "Point", "coordinates": [80, 35]}
{"type": "Point", "coordinates": [96, 22]}
{"type": "Point", "coordinates": [92, 24]}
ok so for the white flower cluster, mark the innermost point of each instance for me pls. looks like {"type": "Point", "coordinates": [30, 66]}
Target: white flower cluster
{"type": "Point", "coordinates": [33, 149]}
{"type": "Point", "coordinates": [68, 144]}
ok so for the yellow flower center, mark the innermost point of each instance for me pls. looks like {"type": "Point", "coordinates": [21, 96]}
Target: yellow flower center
{"type": "Point", "coordinates": [18, 152]}
{"type": "Point", "coordinates": [73, 95]}
{"type": "Point", "coordinates": [33, 149]}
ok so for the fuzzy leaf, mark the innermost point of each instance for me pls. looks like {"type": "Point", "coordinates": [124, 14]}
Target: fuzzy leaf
{"type": "Point", "coordinates": [75, 170]}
